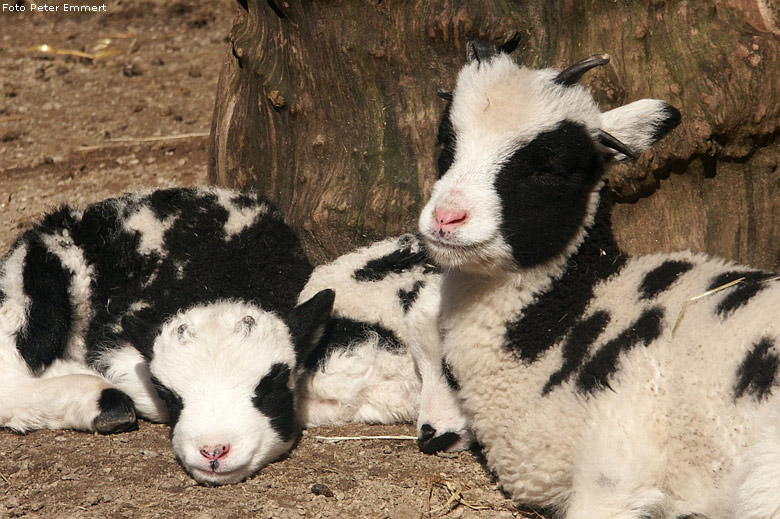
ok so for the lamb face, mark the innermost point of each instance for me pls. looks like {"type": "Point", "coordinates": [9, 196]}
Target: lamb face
{"type": "Point", "coordinates": [522, 156]}
{"type": "Point", "coordinates": [226, 374]}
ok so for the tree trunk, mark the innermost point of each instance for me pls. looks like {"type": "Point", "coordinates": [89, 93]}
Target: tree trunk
{"type": "Point", "coordinates": [330, 109]}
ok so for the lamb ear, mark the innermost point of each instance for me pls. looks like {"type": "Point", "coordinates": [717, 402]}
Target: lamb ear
{"type": "Point", "coordinates": [632, 128]}
{"type": "Point", "coordinates": [140, 332]}
{"type": "Point", "coordinates": [307, 322]}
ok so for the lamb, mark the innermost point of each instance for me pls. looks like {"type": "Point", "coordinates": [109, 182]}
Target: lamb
{"type": "Point", "coordinates": [178, 305]}
{"type": "Point", "coordinates": [591, 396]}
{"type": "Point", "coordinates": [380, 359]}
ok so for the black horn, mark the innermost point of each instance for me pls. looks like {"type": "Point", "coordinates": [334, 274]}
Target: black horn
{"type": "Point", "coordinates": [480, 51]}
{"type": "Point", "coordinates": [610, 141]}
{"type": "Point", "coordinates": [574, 73]}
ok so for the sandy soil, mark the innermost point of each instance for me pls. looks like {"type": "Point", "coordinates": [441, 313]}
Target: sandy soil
{"type": "Point", "coordinates": [65, 122]}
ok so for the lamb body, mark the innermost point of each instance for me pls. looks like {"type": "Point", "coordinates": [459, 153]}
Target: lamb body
{"type": "Point", "coordinates": [584, 399]}
{"type": "Point", "coordinates": [380, 360]}
{"type": "Point", "coordinates": [178, 304]}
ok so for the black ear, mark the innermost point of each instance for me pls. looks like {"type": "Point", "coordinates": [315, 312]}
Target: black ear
{"type": "Point", "coordinates": [307, 322]}
{"type": "Point", "coordinates": [140, 332]}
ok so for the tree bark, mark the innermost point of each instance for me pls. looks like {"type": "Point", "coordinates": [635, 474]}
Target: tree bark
{"type": "Point", "coordinates": [329, 108]}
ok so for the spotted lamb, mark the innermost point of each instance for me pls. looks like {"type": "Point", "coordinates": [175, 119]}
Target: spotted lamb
{"type": "Point", "coordinates": [177, 304]}
{"type": "Point", "coordinates": [593, 394]}
{"type": "Point", "coordinates": [380, 361]}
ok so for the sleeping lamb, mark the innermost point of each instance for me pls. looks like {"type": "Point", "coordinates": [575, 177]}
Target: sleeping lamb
{"type": "Point", "coordinates": [593, 394]}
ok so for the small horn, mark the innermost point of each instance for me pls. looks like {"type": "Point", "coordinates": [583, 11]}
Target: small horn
{"type": "Point", "coordinates": [480, 51]}
{"type": "Point", "coordinates": [447, 96]}
{"type": "Point", "coordinates": [610, 141]}
{"type": "Point", "coordinates": [574, 73]}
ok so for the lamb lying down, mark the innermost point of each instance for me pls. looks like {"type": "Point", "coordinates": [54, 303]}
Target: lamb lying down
{"type": "Point", "coordinates": [591, 395]}
{"type": "Point", "coordinates": [380, 358]}
{"type": "Point", "coordinates": [177, 305]}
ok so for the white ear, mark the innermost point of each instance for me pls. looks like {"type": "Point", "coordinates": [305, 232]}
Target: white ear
{"type": "Point", "coordinates": [640, 124]}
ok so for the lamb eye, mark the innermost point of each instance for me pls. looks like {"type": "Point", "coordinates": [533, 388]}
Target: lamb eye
{"type": "Point", "coordinates": [181, 331]}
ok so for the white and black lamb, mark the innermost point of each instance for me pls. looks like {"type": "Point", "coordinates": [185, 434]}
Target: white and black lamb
{"type": "Point", "coordinates": [588, 400]}
{"type": "Point", "coordinates": [380, 359]}
{"type": "Point", "coordinates": [178, 304]}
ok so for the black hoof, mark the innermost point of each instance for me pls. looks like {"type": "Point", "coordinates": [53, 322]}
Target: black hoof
{"type": "Point", "coordinates": [117, 413]}
{"type": "Point", "coordinates": [429, 443]}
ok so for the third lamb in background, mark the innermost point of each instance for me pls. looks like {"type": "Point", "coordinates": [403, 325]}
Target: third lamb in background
{"type": "Point", "coordinates": [587, 401]}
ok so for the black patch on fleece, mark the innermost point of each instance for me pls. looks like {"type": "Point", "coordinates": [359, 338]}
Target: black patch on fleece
{"type": "Point", "coordinates": [549, 318]}
{"type": "Point", "coordinates": [544, 188]}
{"type": "Point", "coordinates": [740, 294]}
{"type": "Point", "coordinates": [244, 201]}
{"type": "Point", "coordinates": [595, 373]}
{"type": "Point", "coordinates": [173, 402]}
{"type": "Point", "coordinates": [445, 142]}
{"type": "Point", "coordinates": [661, 278]}
{"type": "Point", "coordinates": [274, 399]}
{"type": "Point", "coordinates": [576, 348]}
{"type": "Point", "coordinates": [408, 297]}
{"type": "Point", "coordinates": [342, 333]}
{"type": "Point", "coordinates": [758, 372]}
{"type": "Point", "coordinates": [397, 262]}
{"type": "Point", "coordinates": [46, 280]}
{"type": "Point", "coordinates": [263, 263]}
{"type": "Point", "coordinates": [449, 376]}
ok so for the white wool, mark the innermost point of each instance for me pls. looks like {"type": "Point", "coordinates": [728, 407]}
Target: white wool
{"type": "Point", "coordinates": [151, 230]}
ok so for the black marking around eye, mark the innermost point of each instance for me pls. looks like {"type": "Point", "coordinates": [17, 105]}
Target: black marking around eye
{"type": "Point", "coordinates": [449, 376]}
{"type": "Point", "coordinates": [662, 277]}
{"type": "Point", "coordinates": [544, 188]}
{"type": "Point", "coordinates": [173, 402]}
{"type": "Point", "coordinates": [275, 400]}
{"type": "Point", "coordinates": [740, 294]}
{"type": "Point", "coordinates": [758, 371]}
{"type": "Point", "coordinates": [408, 297]}
{"type": "Point", "coordinates": [576, 348]}
{"type": "Point", "coordinates": [445, 142]}
{"type": "Point", "coordinates": [595, 373]}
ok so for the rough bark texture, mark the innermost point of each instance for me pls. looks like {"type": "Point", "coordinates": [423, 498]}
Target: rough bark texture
{"type": "Point", "coordinates": [330, 108]}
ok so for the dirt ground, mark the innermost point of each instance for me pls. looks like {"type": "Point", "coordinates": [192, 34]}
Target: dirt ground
{"type": "Point", "coordinates": [67, 124]}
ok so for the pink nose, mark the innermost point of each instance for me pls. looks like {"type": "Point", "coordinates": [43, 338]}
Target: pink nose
{"type": "Point", "coordinates": [446, 220]}
{"type": "Point", "coordinates": [214, 452]}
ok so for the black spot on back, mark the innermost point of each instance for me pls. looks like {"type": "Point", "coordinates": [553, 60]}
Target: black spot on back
{"type": "Point", "coordinates": [758, 372]}
{"type": "Point", "coordinates": [660, 278]}
{"type": "Point", "coordinates": [544, 188]}
{"type": "Point", "coordinates": [449, 376]}
{"type": "Point", "coordinates": [408, 297]}
{"type": "Point", "coordinates": [546, 322]}
{"type": "Point", "coordinates": [576, 348]}
{"type": "Point", "coordinates": [173, 402]}
{"type": "Point", "coordinates": [740, 294]}
{"type": "Point", "coordinates": [602, 364]}
{"type": "Point", "coordinates": [275, 400]}
{"type": "Point", "coordinates": [47, 329]}
{"type": "Point", "coordinates": [397, 262]}
{"type": "Point", "coordinates": [343, 333]}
